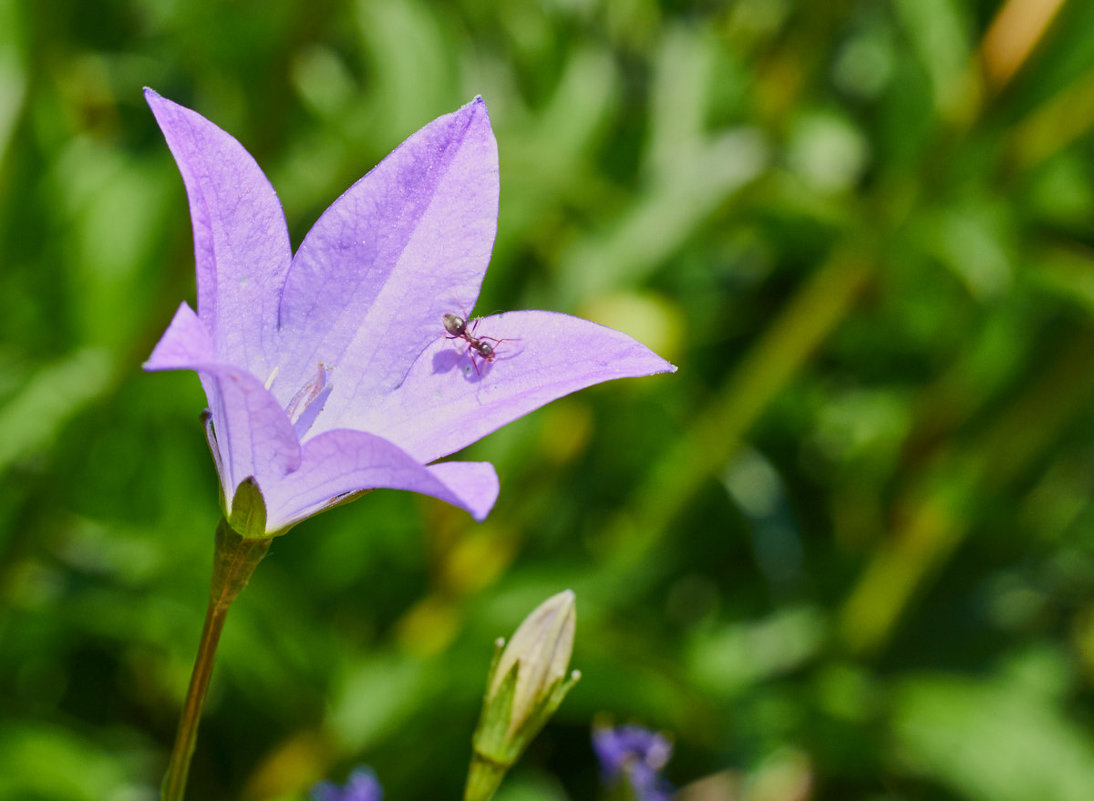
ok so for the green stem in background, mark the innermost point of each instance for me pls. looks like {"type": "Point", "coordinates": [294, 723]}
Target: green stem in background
{"type": "Point", "coordinates": [816, 309]}
{"type": "Point", "coordinates": [234, 560]}
{"type": "Point", "coordinates": [934, 508]}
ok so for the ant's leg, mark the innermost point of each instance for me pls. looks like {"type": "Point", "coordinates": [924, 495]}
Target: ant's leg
{"type": "Point", "coordinates": [474, 363]}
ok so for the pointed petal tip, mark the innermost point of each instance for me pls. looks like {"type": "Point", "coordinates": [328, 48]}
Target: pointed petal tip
{"type": "Point", "coordinates": [159, 104]}
{"type": "Point", "coordinates": [153, 98]}
{"type": "Point", "coordinates": [183, 345]}
{"type": "Point", "coordinates": [476, 107]}
{"type": "Point", "coordinates": [662, 365]}
{"type": "Point", "coordinates": [480, 509]}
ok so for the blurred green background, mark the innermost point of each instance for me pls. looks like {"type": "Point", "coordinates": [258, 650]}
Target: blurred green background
{"type": "Point", "coordinates": [846, 552]}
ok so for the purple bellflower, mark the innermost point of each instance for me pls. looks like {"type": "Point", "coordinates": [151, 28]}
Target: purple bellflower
{"type": "Point", "coordinates": [361, 785]}
{"type": "Point", "coordinates": [637, 754]}
{"type": "Point", "coordinates": [331, 371]}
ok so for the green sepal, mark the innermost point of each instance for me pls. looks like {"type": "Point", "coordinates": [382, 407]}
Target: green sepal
{"type": "Point", "coordinates": [241, 542]}
{"type": "Point", "coordinates": [499, 649]}
{"type": "Point", "coordinates": [248, 515]}
{"type": "Point", "coordinates": [523, 736]}
{"type": "Point", "coordinates": [492, 735]}
{"type": "Point", "coordinates": [487, 700]}
{"type": "Point", "coordinates": [234, 560]}
{"type": "Point", "coordinates": [495, 748]}
{"type": "Point", "coordinates": [490, 755]}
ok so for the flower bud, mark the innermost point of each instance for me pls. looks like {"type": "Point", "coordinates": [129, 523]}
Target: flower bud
{"type": "Point", "coordinates": [527, 682]}
{"type": "Point", "coordinates": [541, 648]}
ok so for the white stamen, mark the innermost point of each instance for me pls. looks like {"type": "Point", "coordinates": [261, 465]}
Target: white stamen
{"type": "Point", "coordinates": [308, 393]}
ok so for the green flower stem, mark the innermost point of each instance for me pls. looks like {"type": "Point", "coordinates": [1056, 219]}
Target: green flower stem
{"type": "Point", "coordinates": [483, 779]}
{"type": "Point", "coordinates": [234, 560]}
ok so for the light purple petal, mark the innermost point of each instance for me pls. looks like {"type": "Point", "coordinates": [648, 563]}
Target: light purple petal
{"type": "Point", "coordinates": [339, 462]}
{"type": "Point", "coordinates": [241, 243]}
{"type": "Point", "coordinates": [253, 434]}
{"type": "Point", "coordinates": [450, 400]}
{"type": "Point", "coordinates": [476, 483]}
{"type": "Point", "coordinates": [185, 342]}
{"type": "Point", "coordinates": [405, 244]}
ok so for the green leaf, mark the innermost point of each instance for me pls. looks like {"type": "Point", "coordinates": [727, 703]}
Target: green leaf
{"type": "Point", "coordinates": [993, 741]}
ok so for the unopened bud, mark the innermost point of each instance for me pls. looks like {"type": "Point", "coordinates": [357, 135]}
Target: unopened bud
{"type": "Point", "coordinates": [542, 646]}
{"type": "Point", "coordinates": [527, 682]}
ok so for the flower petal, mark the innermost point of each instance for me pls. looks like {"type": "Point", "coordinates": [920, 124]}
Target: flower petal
{"type": "Point", "coordinates": [253, 434]}
{"type": "Point", "coordinates": [476, 483]}
{"type": "Point", "coordinates": [184, 343]}
{"type": "Point", "coordinates": [405, 244]}
{"type": "Point", "coordinates": [340, 462]}
{"type": "Point", "coordinates": [241, 243]}
{"type": "Point", "coordinates": [450, 400]}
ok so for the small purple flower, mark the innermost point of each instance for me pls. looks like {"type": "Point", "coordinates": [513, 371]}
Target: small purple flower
{"type": "Point", "coordinates": [329, 371]}
{"type": "Point", "coordinates": [637, 754]}
{"type": "Point", "coordinates": [360, 786]}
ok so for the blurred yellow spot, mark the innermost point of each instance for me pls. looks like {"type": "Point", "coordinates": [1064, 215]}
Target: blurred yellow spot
{"type": "Point", "coordinates": [1068, 115]}
{"type": "Point", "coordinates": [787, 775]}
{"type": "Point", "coordinates": [292, 766]}
{"type": "Point", "coordinates": [1083, 637]}
{"type": "Point", "coordinates": [897, 569]}
{"type": "Point", "coordinates": [1016, 30]}
{"type": "Point", "coordinates": [724, 786]}
{"type": "Point", "coordinates": [429, 627]}
{"type": "Point", "coordinates": [654, 321]}
{"type": "Point", "coordinates": [567, 426]}
{"type": "Point", "coordinates": [477, 560]}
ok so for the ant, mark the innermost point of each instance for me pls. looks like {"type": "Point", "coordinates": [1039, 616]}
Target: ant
{"type": "Point", "coordinates": [457, 328]}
